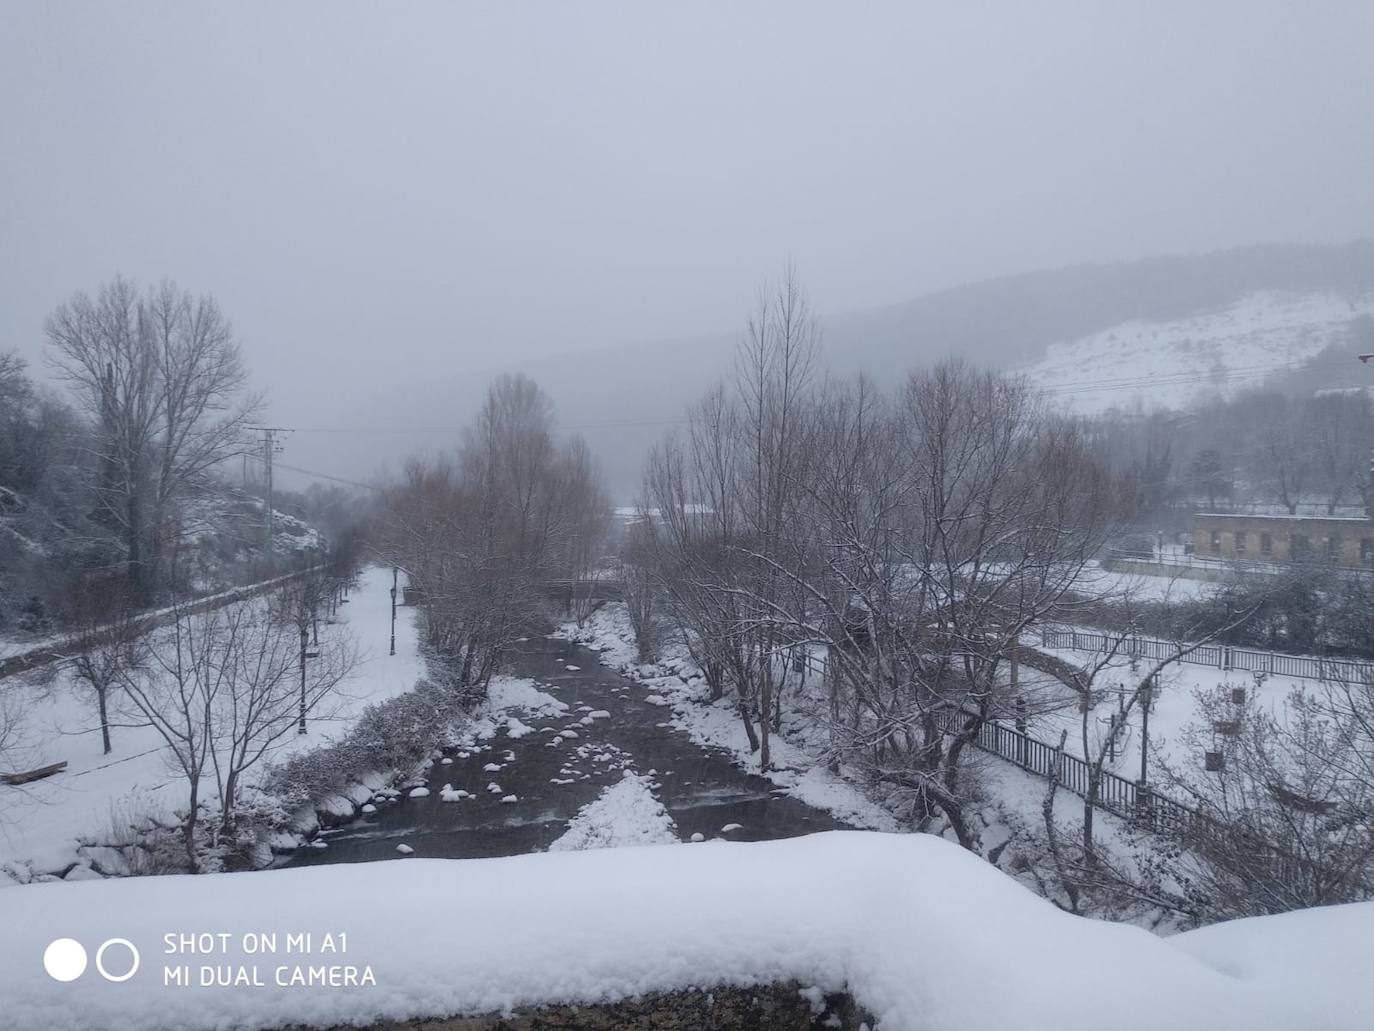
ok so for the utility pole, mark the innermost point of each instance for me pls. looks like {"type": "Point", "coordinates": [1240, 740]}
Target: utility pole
{"type": "Point", "coordinates": [270, 447]}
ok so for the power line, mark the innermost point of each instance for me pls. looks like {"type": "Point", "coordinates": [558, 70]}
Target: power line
{"type": "Point", "coordinates": [326, 476]}
{"type": "Point", "coordinates": [623, 423]}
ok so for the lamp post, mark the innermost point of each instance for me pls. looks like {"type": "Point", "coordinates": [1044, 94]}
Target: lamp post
{"type": "Point", "coordinates": [1146, 698]}
{"type": "Point", "coordinates": [305, 645]}
{"type": "Point", "coordinates": [395, 573]}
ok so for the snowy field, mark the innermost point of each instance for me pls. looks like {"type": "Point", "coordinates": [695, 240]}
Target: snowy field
{"type": "Point", "coordinates": [41, 821]}
{"type": "Point", "coordinates": [1094, 580]}
{"type": "Point", "coordinates": [677, 685]}
{"type": "Point", "coordinates": [1173, 709]}
{"type": "Point", "coordinates": [1222, 351]}
{"type": "Point", "coordinates": [926, 936]}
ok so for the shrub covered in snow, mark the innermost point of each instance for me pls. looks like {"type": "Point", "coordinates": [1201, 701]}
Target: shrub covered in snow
{"type": "Point", "coordinates": [397, 734]}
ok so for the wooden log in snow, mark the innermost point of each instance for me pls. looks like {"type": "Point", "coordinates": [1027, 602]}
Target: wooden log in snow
{"type": "Point", "coordinates": [38, 774]}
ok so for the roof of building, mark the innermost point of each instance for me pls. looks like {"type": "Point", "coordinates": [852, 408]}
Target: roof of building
{"type": "Point", "coordinates": [1283, 518]}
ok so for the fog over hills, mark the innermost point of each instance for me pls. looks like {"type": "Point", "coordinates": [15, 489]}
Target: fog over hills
{"type": "Point", "coordinates": [1220, 320]}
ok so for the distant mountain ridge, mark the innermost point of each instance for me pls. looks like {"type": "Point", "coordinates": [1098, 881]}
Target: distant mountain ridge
{"type": "Point", "coordinates": [622, 399]}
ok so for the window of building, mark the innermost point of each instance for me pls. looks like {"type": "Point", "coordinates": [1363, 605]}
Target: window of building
{"type": "Point", "coordinates": [1333, 548]}
{"type": "Point", "coordinates": [1241, 542]}
{"type": "Point", "coordinates": [1216, 542]}
{"type": "Point", "coordinates": [1367, 550]}
{"type": "Point", "coordinates": [1266, 544]}
{"type": "Point", "coordinates": [1300, 547]}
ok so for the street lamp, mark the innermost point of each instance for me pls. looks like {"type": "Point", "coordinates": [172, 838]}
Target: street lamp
{"type": "Point", "coordinates": [305, 654]}
{"type": "Point", "coordinates": [395, 572]}
{"type": "Point", "coordinates": [1146, 697]}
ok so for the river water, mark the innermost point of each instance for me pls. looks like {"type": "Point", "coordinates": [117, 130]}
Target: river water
{"type": "Point", "coordinates": [702, 789]}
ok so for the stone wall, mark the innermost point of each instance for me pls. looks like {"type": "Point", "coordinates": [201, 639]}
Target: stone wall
{"type": "Point", "coordinates": [779, 1007]}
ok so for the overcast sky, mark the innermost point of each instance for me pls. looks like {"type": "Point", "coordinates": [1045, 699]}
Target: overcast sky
{"type": "Point", "coordinates": [380, 192]}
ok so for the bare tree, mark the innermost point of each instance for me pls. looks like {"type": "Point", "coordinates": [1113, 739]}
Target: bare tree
{"type": "Point", "coordinates": [945, 525]}
{"type": "Point", "coordinates": [1288, 798]}
{"type": "Point", "coordinates": [1131, 687]}
{"type": "Point", "coordinates": [581, 528]}
{"type": "Point", "coordinates": [638, 582]}
{"type": "Point", "coordinates": [222, 689]}
{"type": "Point", "coordinates": [485, 535]}
{"type": "Point", "coordinates": [110, 642]}
{"type": "Point", "coordinates": [162, 379]}
{"type": "Point", "coordinates": [1279, 455]}
{"type": "Point", "coordinates": [1339, 429]}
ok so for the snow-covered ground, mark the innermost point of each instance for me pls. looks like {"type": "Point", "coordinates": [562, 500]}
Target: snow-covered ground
{"type": "Point", "coordinates": [678, 685]}
{"type": "Point", "coordinates": [1170, 364]}
{"type": "Point", "coordinates": [41, 821]}
{"type": "Point", "coordinates": [1174, 706]}
{"type": "Point", "coordinates": [1094, 580]}
{"type": "Point", "coordinates": [926, 936]}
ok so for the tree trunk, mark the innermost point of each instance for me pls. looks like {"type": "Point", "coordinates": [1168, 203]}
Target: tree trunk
{"type": "Point", "coordinates": [227, 816]}
{"type": "Point", "coordinates": [1089, 805]}
{"type": "Point", "coordinates": [133, 539]}
{"type": "Point", "coordinates": [765, 712]}
{"type": "Point", "coordinates": [188, 829]}
{"type": "Point", "coordinates": [101, 694]}
{"type": "Point", "coordinates": [465, 674]}
{"type": "Point", "coordinates": [748, 727]}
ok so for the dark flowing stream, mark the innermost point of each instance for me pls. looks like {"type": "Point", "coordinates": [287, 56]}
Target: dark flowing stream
{"type": "Point", "coordinates": [702, 789]}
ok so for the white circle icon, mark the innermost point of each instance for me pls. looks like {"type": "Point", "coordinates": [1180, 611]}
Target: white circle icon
{"type": "Point", "coordinates": [64, 959]}
{"type": "Point", "coordinates": [100, 960]}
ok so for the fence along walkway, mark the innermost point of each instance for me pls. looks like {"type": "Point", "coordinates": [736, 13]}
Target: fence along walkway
{"type": "Point", "coordinates": [1128, 799]}
{"type": "Point", "coordinates": [1131, 800]}
{"type": "Point", "coordinates": [1218, 656]}
{"type": "Point", "coordinates": [67, 644]}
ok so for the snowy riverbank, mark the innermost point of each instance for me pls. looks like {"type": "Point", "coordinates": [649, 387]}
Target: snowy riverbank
{"type": "Point", "coordinates": [41, 823]}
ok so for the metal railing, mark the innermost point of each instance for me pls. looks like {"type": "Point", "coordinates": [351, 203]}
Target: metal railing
{"type": "Point", "coordinates": [1136, 801]}
{"type": "Point", "coordinates": [1218, 656]}
{"type": "Point", "coordinates": [141, 623]}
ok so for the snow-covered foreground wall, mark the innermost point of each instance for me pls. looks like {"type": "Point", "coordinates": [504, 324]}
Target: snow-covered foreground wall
{"type": "Point", "coordinates": [925, 935]}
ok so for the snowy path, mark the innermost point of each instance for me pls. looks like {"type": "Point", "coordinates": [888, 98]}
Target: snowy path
{"type": "Point", "coordinates": [617, 727]}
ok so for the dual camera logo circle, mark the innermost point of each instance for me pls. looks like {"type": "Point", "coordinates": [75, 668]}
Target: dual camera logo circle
{"type": "Point", "coordinates": [65, 959]}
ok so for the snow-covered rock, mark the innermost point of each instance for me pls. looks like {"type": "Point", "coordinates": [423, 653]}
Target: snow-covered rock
{"type": "Point", "coordinates": [626, 813]}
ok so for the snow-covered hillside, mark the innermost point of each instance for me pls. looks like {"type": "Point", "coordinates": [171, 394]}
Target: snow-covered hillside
{"type": "Point", "coordinates": [1170, 364]}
